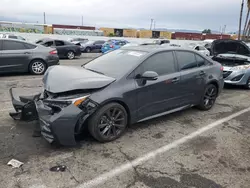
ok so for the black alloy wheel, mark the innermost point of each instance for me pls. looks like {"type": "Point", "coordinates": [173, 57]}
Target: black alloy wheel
{"type": "Point", "coordinates": [71, 55]}
{"type": "Point", "coordinates": [108, 123]}
{"type": "Point", "coordinates": [209, 97]}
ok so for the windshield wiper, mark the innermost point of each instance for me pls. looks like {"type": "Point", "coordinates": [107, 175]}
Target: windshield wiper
{"type": "Point", "coordinates": [94, 71]}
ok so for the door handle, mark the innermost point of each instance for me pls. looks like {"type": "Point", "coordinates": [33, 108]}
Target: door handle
{"type": "Point", "coordinates": [202, 73]}
{"type": "Point", "coordinates": [174, 80]}
{"type": "Point", "coordinates": [26, 52]}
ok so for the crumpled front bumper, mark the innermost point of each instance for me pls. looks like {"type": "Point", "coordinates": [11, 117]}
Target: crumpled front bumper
{"type": "Point", "coordinates": [57, 127]}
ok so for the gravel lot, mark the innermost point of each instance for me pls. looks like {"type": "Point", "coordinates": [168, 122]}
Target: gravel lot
{"type": "Point", "coordinates": [218, 158]}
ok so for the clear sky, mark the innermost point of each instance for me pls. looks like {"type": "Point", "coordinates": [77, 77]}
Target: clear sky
{"type": "Point", "coordinates": [172, 14]}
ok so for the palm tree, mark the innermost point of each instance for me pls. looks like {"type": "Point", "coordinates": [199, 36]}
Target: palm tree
{"type": "Point", "coordinates": [247, 22]}
{"type": "Point", "coordinates": [241, 11]}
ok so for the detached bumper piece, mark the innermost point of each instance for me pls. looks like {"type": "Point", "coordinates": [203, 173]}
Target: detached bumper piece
{"type": "Point", "coordinates": [25, 108]}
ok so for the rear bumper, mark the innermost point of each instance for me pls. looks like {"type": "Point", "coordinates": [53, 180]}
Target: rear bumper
{"type": "Point", "coordinates": [53, 60]}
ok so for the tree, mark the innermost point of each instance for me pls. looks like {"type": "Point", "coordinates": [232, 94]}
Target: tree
{"type": "Point", "coordinates": [208, 31]}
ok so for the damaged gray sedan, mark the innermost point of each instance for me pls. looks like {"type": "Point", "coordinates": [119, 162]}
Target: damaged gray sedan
{"type": "Point", "coordinates": [125, 86]}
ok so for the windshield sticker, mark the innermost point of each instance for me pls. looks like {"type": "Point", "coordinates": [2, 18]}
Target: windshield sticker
{"type": "Point", "coordinates": [137, 54]}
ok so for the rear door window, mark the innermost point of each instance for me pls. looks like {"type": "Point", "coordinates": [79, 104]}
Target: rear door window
{"type": "Point", "coordinates": [162, 63]}
{"type": "Point", "coordinates": [186, 60]}
{"type": "Point", "coordinates": [13, 45]}
{"type": "Point", "coordinates": [59, 43]}
{"type": "Point", "coordinates": [49, 43]}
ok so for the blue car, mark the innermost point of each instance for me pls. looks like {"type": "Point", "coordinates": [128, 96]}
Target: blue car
{"type": "Point", "coordinates": [112, 45]}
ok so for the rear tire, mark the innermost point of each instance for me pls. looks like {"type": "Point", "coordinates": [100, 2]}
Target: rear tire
{"type": "Point", "coordinates": [108, 123]}
{"type": "Point", "coordinates": [71, 55]}
{"type": "Point", "coordinates": [208, 98]}
{"type": "Point", "coordinates": [88, 50]}
{"type": "Point", "coordinates": [37, 67]}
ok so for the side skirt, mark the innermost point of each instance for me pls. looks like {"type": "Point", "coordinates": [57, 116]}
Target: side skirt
{"type": "Point", "coordinates": [165, 113]}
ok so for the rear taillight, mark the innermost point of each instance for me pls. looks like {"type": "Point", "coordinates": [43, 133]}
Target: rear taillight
{"type": "Point", "coordinates": [53, 52]}
{"type": "Point", "coordinates": [111, 46]}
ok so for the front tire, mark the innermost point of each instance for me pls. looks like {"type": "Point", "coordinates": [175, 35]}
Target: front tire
{"type": "Point", "coordinates": [208, 98]}
{"type": "Point", "coordinates": [71, 55]}
{"type": "Point", "coordinates": [37, 67]}
{"type": "Point", "coordinates": [108, 123]}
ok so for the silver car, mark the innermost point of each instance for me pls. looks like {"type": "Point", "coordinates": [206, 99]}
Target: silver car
{"type": "Point", "coordinates": [21, 56]}
{"type": "Point", "coordinates": [234, 56]}
{"type": "Point", "coordinates": [201, 49]}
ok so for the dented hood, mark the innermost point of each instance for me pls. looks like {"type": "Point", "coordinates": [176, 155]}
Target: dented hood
{"type": "Point", "coordinates": [228, 46]}
{"type": "Point", "coordinates": [59, 79]}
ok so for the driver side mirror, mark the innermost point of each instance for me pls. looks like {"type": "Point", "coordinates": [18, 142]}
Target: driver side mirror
{"type": "Point", "coordinates": [149, 75]}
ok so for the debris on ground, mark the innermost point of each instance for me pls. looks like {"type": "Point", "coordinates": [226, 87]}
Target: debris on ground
{"type": "Point", "coordinates": [59, 168]}
{"type": "Point", "coordinates": [15, 163]}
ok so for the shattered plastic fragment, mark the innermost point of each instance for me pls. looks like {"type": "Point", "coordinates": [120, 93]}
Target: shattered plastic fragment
{"type": "Point", "coordinates": [15, 163]}
{"type": "Point", "coordinates": [59, 168]}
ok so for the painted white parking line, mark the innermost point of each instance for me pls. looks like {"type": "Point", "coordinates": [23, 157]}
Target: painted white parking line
{"type": "Point", "coordinates": [151, 155]}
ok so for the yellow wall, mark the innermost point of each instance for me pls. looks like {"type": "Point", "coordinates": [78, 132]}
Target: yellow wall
{"type": "Point", "coordinates": [48, 29]}
{"type": "Point", "coordinates": [129, 33]}
{"type": "Point", "coordinates": [234, 37]}
{"type": "Point", "coordinates": [144, 34]}
{"type": "Point", "coordinates": [166, 34]}
{"type": "Point", "coordinates": [107, 31]}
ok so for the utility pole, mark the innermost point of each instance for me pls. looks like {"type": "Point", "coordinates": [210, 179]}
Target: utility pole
{"type": "Point", "coordinates": [151, 23]}
{"type": "Point", "coordinates": [82, 20]}
{"type": "Point", "coordinates": [225, 26]}
{"type": "Point", "coordinates": [44, 18]}
{"type": "Point", "coordinates": [154, 24]}
{"type": "Point", "coordinates": [241, 11]}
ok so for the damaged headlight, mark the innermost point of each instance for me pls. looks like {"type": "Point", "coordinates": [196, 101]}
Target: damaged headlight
{"type": "Point", "coordinates": [65, 101]}
{"type": "Point", "coordinates": [78, 101]}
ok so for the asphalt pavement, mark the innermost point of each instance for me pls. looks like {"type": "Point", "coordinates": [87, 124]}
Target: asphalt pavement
{"type": "Point", "coordinates": [216, 158]}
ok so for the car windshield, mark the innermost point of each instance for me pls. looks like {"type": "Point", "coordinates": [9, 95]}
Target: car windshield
{"type": "Point", "coordinates": [110, 64]}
